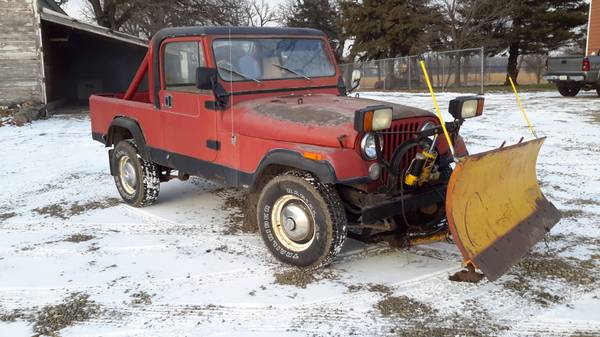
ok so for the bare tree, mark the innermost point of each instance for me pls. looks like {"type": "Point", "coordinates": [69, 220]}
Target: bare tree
{"type": "Point", "coordinates": [468, 24]}
{"type": "Point", "coordinates": [113, 14]}
{"type": "Point", "coordinates": [158, 14]}
{"type": "Point", "coordinates": [258, 13]}
{"type": "Point", "coordinates": [535, 63]}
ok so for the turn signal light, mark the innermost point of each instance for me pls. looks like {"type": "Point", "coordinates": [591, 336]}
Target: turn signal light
{"type": "Point", "coordinates": [312, 155]}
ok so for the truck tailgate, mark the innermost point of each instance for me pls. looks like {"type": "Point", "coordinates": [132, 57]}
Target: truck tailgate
{"type": "Point", "coordinates": [565, 65]}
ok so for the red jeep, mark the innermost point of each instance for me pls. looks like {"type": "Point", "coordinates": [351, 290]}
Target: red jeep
{"type": "Point", "coordinates": [266, 109]}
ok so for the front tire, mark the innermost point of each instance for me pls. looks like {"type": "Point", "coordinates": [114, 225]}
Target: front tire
{"type": "Point", "coordinates": [137, 179]}
{"type": "Point", "coordinates": [568, 91]}
{"type": "Point", "coordinates": [301, 220]}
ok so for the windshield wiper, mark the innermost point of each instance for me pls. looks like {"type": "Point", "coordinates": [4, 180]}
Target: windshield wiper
{"type": "Point", "coordinates": [291, 71]}
{"type": "Point", "coordinates": [239, 74]}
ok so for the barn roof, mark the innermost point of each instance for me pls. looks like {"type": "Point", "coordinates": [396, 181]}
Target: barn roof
{"type": "Point", "coordinates": [65, 20]}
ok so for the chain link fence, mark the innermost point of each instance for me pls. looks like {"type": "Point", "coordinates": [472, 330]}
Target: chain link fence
{"type": "Point", "coordinates": [448, 70]}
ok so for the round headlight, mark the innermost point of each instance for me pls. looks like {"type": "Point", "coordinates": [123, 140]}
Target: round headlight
{"type": "Point", "coordinates": [367, 145]}
{"type": "Point", "coordinates": [427, 126]}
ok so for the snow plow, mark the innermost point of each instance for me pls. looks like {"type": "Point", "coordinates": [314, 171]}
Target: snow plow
{"type": "Point", "coordinates": [495, 208]}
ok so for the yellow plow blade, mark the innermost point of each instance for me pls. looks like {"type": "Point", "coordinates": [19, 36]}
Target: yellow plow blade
{"type": "Point", "coordinates": [495, 208]}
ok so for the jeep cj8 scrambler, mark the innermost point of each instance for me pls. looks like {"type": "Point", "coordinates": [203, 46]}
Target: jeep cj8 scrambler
{"type": "Point", "coordinates": [266, 109]}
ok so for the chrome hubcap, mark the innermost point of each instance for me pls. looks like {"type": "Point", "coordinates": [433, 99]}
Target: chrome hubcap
{"type": "Point", "coordinates": [127, 174]}
{"type": "Point", "coordinates": [293, 223]}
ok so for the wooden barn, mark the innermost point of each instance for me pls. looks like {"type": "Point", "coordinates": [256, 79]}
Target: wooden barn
{"type": "Point", "coordinates": [48, 57]}
{"type": "Point", "coordinates": [593, 29]}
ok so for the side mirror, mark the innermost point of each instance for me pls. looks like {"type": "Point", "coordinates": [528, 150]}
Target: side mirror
{"type": "Point", "coordinates": [355, 82]}
{"type": "Point", "coordinates": [206, 78]}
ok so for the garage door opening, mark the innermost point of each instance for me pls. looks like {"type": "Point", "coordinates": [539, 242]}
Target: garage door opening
{"type": "Point", "coordinates": [81, 60]}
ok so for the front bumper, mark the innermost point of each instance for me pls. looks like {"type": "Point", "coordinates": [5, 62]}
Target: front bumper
{"type": "Point", "coordinates": [413, 201]}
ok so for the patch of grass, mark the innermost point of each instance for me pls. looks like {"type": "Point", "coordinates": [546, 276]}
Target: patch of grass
{"type": "Point", "coordinates": [585, 202]}
{"type": "Point", "coordinates": [76, 238]}
{"type": "Point", "coordinates": [141, 297]}
{"type": "Point", "coordinates": [427, 322]}
{"type": "Point", "coordinates": [296, 277]}
{"type": "Point", "coordinates": [65, 210]}
{"type": "Point", "coordinates": [53, 318]}
{"type": "Point", "coordinates": [372, 287]}
{"type": "Point", "coordinates": [584, 334]}
{"type": "Point", "coordinates": [425, 330]}
{"type": "Point", "coordinates": [404, 307]}
{"type": "Point", "coordinates": [54, 210]}
{"type": "Point", "coordinates": [300, 277]}
{"type": "Point", "coordinates": [242, 210]}
{"type": "Point", "coordinates": [541, 268]}
{"type": "Point", "coordinates": [572, 213]}
{"type": "Point", "coordinates": [14, 315]}
{"type": "Point", "coordinates": [8, 215]}
{"type": "Point", "coordinates": [380, 288]}
{"type": "Point", "coordinates": [572, 271]}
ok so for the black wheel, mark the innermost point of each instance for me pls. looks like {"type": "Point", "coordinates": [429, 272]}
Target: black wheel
{"type": "Point", "coordinates": [598, 91]}
{"type": "Point", "coordinates": [568, 91]}
{"type": "Point", "coordinates": [137, 179]}
{"type": "Point", "coordinates": [301, 220]}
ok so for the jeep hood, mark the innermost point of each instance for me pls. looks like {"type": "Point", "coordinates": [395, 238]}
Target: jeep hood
{"type": "Point", "coordinates": [324, 120]}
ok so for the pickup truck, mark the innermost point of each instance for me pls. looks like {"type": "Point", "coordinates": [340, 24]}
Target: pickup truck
{"type": "Point", "coordinates": [266, 109]}
{"type": "Point", "coordinates": [573, 73]}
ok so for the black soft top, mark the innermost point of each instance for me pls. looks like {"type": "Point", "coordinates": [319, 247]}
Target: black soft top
{"type": "Point", "coordinates": [221, 30]}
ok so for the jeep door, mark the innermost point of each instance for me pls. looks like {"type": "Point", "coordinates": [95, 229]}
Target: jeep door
{"type": "Point", "coordinates": [189, 129]}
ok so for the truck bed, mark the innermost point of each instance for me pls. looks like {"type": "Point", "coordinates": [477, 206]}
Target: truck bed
{"type": "Point", "coordinates": [105, 107]}
{"type": "Point", "coordinates": [565, 65]}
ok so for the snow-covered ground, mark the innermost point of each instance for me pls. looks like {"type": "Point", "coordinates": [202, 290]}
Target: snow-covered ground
{"type": "Point", "coordinates": [177, 269]}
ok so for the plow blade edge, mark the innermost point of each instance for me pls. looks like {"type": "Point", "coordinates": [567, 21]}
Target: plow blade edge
{"type": "Point", "coordinates": [496, 210]}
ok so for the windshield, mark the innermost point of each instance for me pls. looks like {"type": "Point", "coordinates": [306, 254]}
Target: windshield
{"type": "Point", "coordinates": [271, 59]}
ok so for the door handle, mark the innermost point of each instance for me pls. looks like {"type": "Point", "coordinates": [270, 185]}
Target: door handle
{"type": "Point", "coordinates": [168, 101]}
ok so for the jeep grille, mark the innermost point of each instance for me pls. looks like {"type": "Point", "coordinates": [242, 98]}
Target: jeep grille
{"type": "Point", "coordinates": [406, 129]}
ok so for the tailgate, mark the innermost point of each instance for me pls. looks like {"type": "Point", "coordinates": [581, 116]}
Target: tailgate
{"type": "Point", "coordinates": [565, 65]}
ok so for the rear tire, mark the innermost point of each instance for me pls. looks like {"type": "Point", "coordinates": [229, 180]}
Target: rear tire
{"type": "Point", "coordinates": [568, 91]}
{"type": "Point", "coordinates": [301, 220]}
{"type": "Point", "coordinates": [137, 179]}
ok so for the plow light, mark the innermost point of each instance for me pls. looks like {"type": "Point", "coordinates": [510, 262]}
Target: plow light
{"type": "Point", "coordinates": [466, 107]}
{"type": "Point", "coordinates": [373, 118]}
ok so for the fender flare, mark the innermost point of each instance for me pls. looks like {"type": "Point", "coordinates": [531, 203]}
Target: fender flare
{"type": "Point", "coordinates": [136, 131]}
{"type": "Point", "coordinates": [322, 169]}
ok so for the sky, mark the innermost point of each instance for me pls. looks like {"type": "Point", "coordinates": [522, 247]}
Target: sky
{"type": "Point", "coordinates": [74, 8]}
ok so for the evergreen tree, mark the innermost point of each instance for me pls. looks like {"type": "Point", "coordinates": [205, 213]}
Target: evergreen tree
{"type": "Point", "coordinates": [540, 26]}
{"type": "Point", "coordinates": [319, 14]}
{"type": "Point", "coordinates": [389, 28]}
